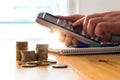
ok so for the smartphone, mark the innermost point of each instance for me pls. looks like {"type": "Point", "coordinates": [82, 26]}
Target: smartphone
{"type": "Point", "coordinates": [53, 22]}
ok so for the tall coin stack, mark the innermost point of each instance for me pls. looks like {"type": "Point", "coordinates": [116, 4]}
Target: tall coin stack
{"type": "Point", "coordinates": [42, 52]}
{"type": "Point", "coordinates": [20, 46]}
{"type": "Point", "coordinates": [28, 56]}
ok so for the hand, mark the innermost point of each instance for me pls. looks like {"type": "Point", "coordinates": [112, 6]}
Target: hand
{"type": "Point", "coordinates": [67, 38]}
{"type": "Point", "coordinates": [102, 25]}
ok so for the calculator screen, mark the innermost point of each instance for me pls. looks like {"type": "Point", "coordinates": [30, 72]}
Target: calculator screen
{"type": "Point", "coordinates": [51, 18]}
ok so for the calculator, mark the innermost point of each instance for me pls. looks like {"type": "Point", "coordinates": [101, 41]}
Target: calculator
{"type": "Point", "coordinates": [64, 26]}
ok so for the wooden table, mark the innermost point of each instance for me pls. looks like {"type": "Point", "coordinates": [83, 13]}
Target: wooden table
{"type": "Point", "coordinates": [80, 67]}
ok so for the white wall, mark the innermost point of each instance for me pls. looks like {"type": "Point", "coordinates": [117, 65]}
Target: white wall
{"type": "Point", "coordinates": [92, 6]}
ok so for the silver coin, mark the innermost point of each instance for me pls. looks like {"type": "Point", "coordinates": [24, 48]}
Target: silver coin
{"type": "Point", "coordinates": [59, 66]}
{"type": "Point", "coordinates": [51, 61]}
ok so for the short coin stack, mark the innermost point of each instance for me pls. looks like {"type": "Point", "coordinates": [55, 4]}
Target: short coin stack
{"type": "Point", "coordinates": [29, 59]}
{"type": "Point", "coordinates": [28, 56]}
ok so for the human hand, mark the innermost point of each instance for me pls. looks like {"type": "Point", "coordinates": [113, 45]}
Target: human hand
{"type": "Point", "coordinates": [102, 25]}
{"type": "Point", "coordinates": [67, 38]}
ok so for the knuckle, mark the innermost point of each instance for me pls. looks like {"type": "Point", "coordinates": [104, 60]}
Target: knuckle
{"type": "Point", "coordinates": [92, 21]}
{"type": "Point", "coordinates": [91, 26]}
{"type": "Point", "coordinates": [101, 25]}
{"type": "Point", "coordinates": [88, 17]}
{"type": "Point", "coordinates": [85, 22]}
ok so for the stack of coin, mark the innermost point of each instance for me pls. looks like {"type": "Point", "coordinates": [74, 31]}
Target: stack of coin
{"type": "Point", "coordinates": [42, 52]}
{"type": "Point", "coordinates": [28, 56]}
{"type": "Point", "coordinates": [20, 46]}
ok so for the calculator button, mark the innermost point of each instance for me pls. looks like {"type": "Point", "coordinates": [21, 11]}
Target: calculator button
{"type": "Point", "coordinates": [83, 33]}
{"type": "Point", "coordinates": [86, 35]}
{"type": "Point", "coordinates": [61, 22]}
{"type": "Point", "coordinates": [92, 38]}
{"type": "Point", "coordinates": [97, 39]}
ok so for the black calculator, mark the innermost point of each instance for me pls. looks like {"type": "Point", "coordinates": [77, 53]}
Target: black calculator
{"type": "Point", "coordinates": [51, 21]}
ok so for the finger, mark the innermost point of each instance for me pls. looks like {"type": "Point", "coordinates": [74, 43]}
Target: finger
{"type": "Point", "coordinates": [62, 37]}
{"type": "Point", "coordinates": [101, 29]}
{"type": "Point", "coordinates": [93, 22]}
{"type": "Point", "coordinates": [68, 40]}
{"type": "Point", "coordinates": [88, 17]}
{"type": "Point", "coordinates": [78, 22]}
{"type": "Point", "coordinates": [52, 30]}
{"type": "Point", "coordinates": [103, 32]}
{"type": "Point", "coordinates": [113, 13]}
{"type": "Point", "coordinates": [86, 20]}
{"type": "Point", "coordinates": [71, 18]}
{"type": "Point", "coordinates": [75, 41]}
{"type": "Point", "coordinates": [105, 27]}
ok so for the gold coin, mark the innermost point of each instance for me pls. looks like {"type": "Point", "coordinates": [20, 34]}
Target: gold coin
{"type": "Point", "coordinates": [28, 65]}
{"type": "Point", "coordinates": [43, 64]}
{"type": "Point", "coordinates": [34, 62]}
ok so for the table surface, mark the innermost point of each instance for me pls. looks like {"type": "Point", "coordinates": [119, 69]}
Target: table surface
{"type": "Point", "coordinates": [80, 67]}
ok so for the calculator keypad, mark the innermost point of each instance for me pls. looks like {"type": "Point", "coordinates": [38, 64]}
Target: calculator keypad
{"type": "Point", "coordinates": [78, 30]}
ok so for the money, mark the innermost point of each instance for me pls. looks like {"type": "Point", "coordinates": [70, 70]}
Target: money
{"type": "Point", "coordinates": [59, 66]}
{"type": "Point", "coordinates": [19, 62]}
{"type": "Point", "coordinates": [51, 61]}
{"type": "Point", "coordinates": [28, 56]}
{"type": "Point", "coordinates": [28, 65]}
{"type": "Point", "coordinates": [34, 62]}
{"type": "Point", "coordinates": [42, 52]}
{"type": "Point", "coordinates": [44, 64]}
{"type": "Point", "coordinates": [22, 45]}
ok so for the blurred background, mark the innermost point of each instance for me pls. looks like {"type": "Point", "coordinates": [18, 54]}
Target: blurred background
{"type": "Point", "coordinates": [17, 17]}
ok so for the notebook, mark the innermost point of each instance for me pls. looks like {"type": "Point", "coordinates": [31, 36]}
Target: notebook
{"type": "Point", "coordinates": [91, 50]}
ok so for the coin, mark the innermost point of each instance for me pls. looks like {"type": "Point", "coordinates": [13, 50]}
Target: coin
{"type": "Point", "coordinates": [45, 46]}
{"type": "Point", "coordinates": [59, 66]}
{"type": "Point", "coordinates": [28, 65]}
{"type": "Point", "coordinates": [28, 56]}
{"type": "Point", "coordinates": [43, 64]}
{"type": "Point", "coordinates": [19, 62]}
{"type": "Point", "coordinates": [51, 61]}
{"type": "Point", "coordinates": [34, 62]}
